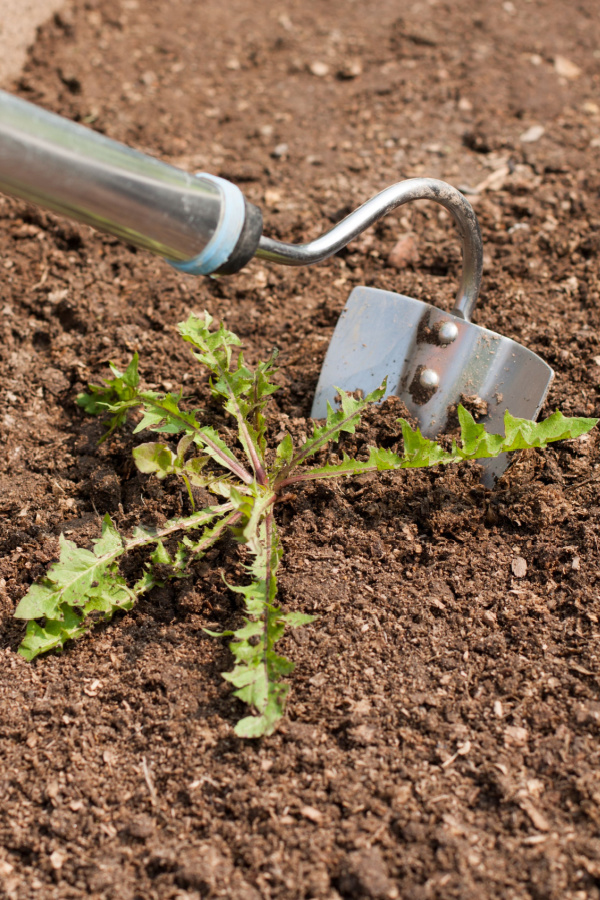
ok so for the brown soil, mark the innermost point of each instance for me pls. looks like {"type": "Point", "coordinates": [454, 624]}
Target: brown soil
{"type": "Point", "coordinates": [442, 739]}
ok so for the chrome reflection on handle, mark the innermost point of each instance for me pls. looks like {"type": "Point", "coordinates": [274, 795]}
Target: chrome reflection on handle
{"type": "Point", "coordinates": [386, 201]}
{"type": "Point", "coordinates": [77, 172]}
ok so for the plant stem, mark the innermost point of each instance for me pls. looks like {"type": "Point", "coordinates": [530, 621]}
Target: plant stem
{"type": "Point", "coordinates": [269, 524]}
{"type": "Point", "coordinates": [230, 464]}
{"type": "Point", "coordinates": [255, 460]}
{"type": "Point", "coordinates": [311, 447]}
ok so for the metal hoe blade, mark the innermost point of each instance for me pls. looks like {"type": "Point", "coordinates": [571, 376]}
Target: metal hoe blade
{"type": "Point", "coordinates": [432, 361]}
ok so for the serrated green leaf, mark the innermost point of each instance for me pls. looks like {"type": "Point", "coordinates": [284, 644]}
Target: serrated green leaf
{"type": "Point", "coordinates": [163, 414]}
{"type": "Point", "coordinates": [258, 670]}
{"type": "Point", "coordinates": [254, 509]}
{"type": "Point", "coordinates": [90, 582]}
{"type": "Point", "coordinates": [70, 580]}
{"type": "Point", "coordinates": [344, 419]}
{"type": "Point", "coordinates": [232, 384]}
{"type": "Point", "coordinates": [250, 629]}
{"type": "Point", "coordinates": [157, 459]}
{"type": "Point", "coordinates": [40, 600]}
{"type": "Point", "coordinates": [520, 434]}
{"type": "Point", "coordinates": [265, 723]}
{"type": "Point", "coordinates": [476, 443]}
{"type": "Point", "coordinates": [214, 446]}
{"type": "Point", "coordinates": [261, 391]}
{"type": "Point", "coordinates": [52, 635]}
{"type": "Point", "coordinates": [110, 543]}
{"type": "Point", "coordinates": [145, 583]}
{"type": "Point", "coordinates": [419, 451]}
{"type": "Point", "coordinates": [117, 395]}
{"type": "Point", "coordinates": [379, 460]}
{"type": "Point", "coordinates": [285, 449]}
{"type": "Point", "coordinates": [131, 376]}
{"type": "Point", "coordinates": [160, 555]}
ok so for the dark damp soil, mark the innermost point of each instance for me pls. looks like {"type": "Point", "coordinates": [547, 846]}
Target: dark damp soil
{"type": "Point", "coordinates": [444, 718]}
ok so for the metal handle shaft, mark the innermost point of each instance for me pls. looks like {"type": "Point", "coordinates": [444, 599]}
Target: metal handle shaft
{"type": "Point", "coordinates": [378, 206]}
{"type": "Point", "coordinates": [79, 173]}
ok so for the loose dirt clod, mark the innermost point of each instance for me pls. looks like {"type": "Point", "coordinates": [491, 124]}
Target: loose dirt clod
{"type": "Point", "coordinates": [364, 875]}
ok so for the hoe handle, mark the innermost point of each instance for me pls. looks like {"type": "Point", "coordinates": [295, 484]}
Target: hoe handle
{"type": "Point", "coordinates": [201, 224]}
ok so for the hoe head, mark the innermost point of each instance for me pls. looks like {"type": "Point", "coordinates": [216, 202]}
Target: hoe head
{"type": "Point", "coordinates": [433, 361]}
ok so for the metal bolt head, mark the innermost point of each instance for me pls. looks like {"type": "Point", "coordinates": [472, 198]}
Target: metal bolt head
{"type": "Point", "coordinates": [429, 379]}
{"type": "Point", "coordinates": [447, 333]}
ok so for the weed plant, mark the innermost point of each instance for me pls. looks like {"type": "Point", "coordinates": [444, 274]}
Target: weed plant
{"type": "Point", "coordinates": [85, 586]}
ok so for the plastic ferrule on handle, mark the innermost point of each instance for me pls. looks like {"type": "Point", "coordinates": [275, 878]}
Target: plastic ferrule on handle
{"type": "Point", "coordinates": [228, 231]}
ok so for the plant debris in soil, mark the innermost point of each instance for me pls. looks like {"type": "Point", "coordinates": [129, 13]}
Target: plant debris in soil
{"type": "Point", "coordinates": [445, 739]}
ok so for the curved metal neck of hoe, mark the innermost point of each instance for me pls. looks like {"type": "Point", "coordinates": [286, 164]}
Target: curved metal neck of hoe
{"type": "Point", "coordinates": [386, 201]}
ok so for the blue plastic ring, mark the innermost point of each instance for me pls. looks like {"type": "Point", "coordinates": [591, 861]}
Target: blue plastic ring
{"type": "Point", "coordinates": [222, 243]}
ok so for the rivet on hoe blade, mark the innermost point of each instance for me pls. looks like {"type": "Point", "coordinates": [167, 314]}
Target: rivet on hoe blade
{"type": "Point", "coordinates": [204, 225]}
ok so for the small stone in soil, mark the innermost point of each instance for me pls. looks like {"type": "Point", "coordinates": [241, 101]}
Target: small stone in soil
{"type": "Point", "coordinates": [532, 134]}
{"type": "Point", "coordinates": [404, 253]}
{"type": "Point", "coordinates": [515, 735]}
{"type": "Point", "coordinates": [309, 812]}
{"type": "Point", "coordinates": [519, 567]}
{"type": "Point", "coordinates": [352, 68]}
{"type": "Point", "coordinates": [565, 68]}
{"type": "Point", "coordinates": [320, 69]}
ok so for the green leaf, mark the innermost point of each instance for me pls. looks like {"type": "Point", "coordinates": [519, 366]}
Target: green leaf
{"type": "Point", "coordinates": [259, 669]}
{"type": "Point", "coordinates": [345, 419]}
{"type": "Point", "coordinates": [296, 619]}
{"type": "Point", "coordinates": [476, 443]}
{"type": "Point", "coordinates": [283, 456]}
{"type": "Point", "coordinates": [85, 582]}
{"type": "Point", "coordinates": [285, 449]}
{"type": "Point", "coordinates": [379, 460]}
{"type": "Point", "coordinates": [214, 446]}
{"type": "Point", "coordinates": [196, 549]}
{"type": "Point", "coordinates": [162, 414]}
{"type": "Point", "coordinates": [70, 580]}
{"type": "Point", "coordinates": [520, 434]}
{"type": "Point", "coordinates": [262, 390]}
{"type": "Point", "coordinates": [117, 395]}
{"type": "Point", "coordinates": [232, 384]}
{"type": "Point", "coordinates": [420, 452]}
{"type": "Point", "coordinates": [154, 459]}
{"type": "Point", "coordinates": [213, 347]}
{"type": "Point", "coordinates": [40, 600]}
{"type": "Point", "coordinates": [130, 377]}
{"type": "Point", "coordinates": [250, 629]}
{"type": "Point", "coordinates": [160, 556]}
{"type": "Point", "coordinates": [254, 507]}
{"type": "Point", "coordinates": [52, 635]}
{"type": "Point", "coordinates": [265, 723]}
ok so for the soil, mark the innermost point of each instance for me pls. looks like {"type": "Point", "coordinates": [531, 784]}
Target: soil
{"type": "Point", "coordinates": [442, 736]}
{"type": "Point", "coordinates": [18, 26]}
